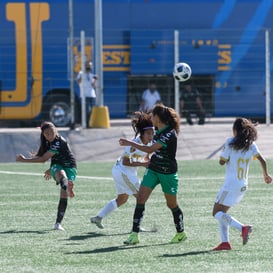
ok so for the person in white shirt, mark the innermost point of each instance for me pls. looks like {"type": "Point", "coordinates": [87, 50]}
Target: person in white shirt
{"type": "Point", "coordinates": [125, 169]}
{"type": "Point", "coordinates": [237, 154]}
{"type": "Point", "coordinates": [87, 83]}
{"type": "Point", "coordinates": [149, 98]}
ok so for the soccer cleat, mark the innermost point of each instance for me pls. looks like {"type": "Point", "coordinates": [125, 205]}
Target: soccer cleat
{"type": "Point", "coordinates": [97, 220]}
{"type": "Point", "coordinates": [245, 233]}
{"type": "Point", "coordinates": [132, 239]}
{"type": "Point", "coordinates": [58, 226]}
{"type": "Point", "coordinates": [179, 237]}
{"type": "Point", "coordinates": [70, 189]}
{"type": "Point", "coordinates": [223, 246]}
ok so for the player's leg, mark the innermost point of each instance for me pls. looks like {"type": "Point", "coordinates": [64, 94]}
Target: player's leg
{"type": "Point", "coordinates": [124, 188]}
{"type": "Point", "coordinates": [59, 175]}
{"type": "Point", "coordinates": [71, 174]}
{"type": "Point", "coordinates": [178, 218]}
{"type": "Point", "coordinates": [142, 197]}
{"type": "Point", "coordinates": [149, 182]}
{"type": "Point", "coordinates": [109, 208]}
{"type": "Point", "coordinates": [61, 210]}
{"type": "Point", "coordinates": [57, 172]}
{"type": "Point", "coordinates": [169, 185]}
{"type": "Point", "coordinates": [219, 210]}
{"type": "Point", "coordinates": [225, 200]}
{"type": "Point", "coordinates": [62, 177]}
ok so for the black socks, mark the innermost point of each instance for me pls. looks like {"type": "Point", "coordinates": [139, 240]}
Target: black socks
{"type": "Point", "coordinates": [178, 219]}
{"type": "Point", "coordinates": [138, 216]}
{"type": "Point", "coordinates": [61, 209]}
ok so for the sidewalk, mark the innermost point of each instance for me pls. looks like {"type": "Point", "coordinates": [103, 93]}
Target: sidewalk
{"type": "Point", "coordinates": [100, 144]}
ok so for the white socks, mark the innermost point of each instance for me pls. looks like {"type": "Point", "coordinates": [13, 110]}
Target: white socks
{"type": "Point", "coordinates": [108, 208]}
{"type": "Point", "coordinates": [224, 232]}
{"type": "Point", "coordinates": [225, 220]}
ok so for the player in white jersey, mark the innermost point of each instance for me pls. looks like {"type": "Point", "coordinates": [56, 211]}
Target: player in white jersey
{"type": "Point", "coordinates": [125, 170]}
{"type": "Point", "coordinates": [237, 154]}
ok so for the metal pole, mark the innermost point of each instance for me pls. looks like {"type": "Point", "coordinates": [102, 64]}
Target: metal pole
{"type": "Point", "coordinates": [83, 79]}
{"type": "Point", "coordinates": [71, 36]}
{"type": "Point", "coordinates": [176, 60]}
{"type": "Point", "coordinates": [267, 77]}
{"type": "Point", "coordinates": [98, 51]}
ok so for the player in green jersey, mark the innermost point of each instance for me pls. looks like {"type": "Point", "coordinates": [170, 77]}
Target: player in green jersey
{"type": "Point", "coordinates": [63, 166]}
{"type": "Point", "coordinates": [161, 170]}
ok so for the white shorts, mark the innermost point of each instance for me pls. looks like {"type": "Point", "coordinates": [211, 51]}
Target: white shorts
{"type": "Point", "coordinates": [125, 183]}
{"type": "Point", "coordinates": [230, 197]}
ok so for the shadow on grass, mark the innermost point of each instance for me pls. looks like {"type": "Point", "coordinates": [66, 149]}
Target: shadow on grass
{"type": "Point", "coordinates": [92, 235]}
{"type": "Point", "coordinates": [113, 248]}
{"type": "Point", "coordinates": [191, 253]}
{"type": "Point", "coordinates": [13, 231]}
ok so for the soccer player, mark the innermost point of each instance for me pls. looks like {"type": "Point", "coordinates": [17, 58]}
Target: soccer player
{"type": "Point", "coordinates": [237, 154]}
{"type": "Point", "coordinates": [125, 170]}
{"type": "Point", "coordinates": [62, 168]}
{"type": "Point", "coordinates": [161, 170]}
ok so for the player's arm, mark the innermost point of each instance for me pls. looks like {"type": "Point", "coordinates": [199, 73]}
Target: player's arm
{"type": "Point", "coordinates": [141, 147]}
{"type": "Point", "coordinates": [267, 178]}
{"type": "Point", "coordinates": [127, 162]}
{"type": "Point", "coordinates": [36, 159]}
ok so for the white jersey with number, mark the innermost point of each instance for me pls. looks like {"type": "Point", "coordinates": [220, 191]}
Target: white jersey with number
{"type": "Point", "coordinates": [237, 165]}
{"type": "Point", "coordinates": [125, 177]}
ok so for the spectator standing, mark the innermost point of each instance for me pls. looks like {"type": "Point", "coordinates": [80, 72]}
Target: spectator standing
{"type": "Point", "coordinates": [87, 83]}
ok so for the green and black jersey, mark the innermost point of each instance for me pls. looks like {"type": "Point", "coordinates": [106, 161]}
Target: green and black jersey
{"type": "Point", "coordinates": [163, 160]}
{"type": "Point", "coordinates": [63, 154]}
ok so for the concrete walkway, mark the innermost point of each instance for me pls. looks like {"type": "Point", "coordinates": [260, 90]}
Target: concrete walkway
{"type": "Point", "coordinates": [99, 144]}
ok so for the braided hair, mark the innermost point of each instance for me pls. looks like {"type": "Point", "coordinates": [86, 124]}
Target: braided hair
{"type": "Point", "coordinates": [141, 122]}
{"type": "Point", "coordinates": [246, 134]}
{"type": "Point", "coordinates": [168, 116]}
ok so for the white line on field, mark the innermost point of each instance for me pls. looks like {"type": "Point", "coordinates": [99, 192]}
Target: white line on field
{"type": "Point", "coordinates": [110, 178]}
{"type": "Point", "coordinates": [39, 174]}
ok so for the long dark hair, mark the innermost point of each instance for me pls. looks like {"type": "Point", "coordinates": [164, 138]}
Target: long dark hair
{"type": "Point", "coordinates": [168, 116]}
{"type": "Point", "coordinates": [44, 144]}
{"type": "Point", "coordinates": [246, 134]}
{"type": "Point", "coordinates": [140, 122]}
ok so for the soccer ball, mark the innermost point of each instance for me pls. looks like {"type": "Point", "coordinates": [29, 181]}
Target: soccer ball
{"type": "Point", "coordinates": [182, 72]}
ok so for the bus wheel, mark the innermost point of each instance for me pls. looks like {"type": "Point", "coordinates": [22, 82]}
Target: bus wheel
{"type": "Point", "coordinates": [57, 110]}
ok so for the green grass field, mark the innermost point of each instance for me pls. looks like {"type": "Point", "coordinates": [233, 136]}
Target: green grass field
{"type": "Point", "coordinates": [29, 243]}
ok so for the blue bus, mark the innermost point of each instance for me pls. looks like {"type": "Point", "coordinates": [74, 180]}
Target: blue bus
{"type": "Point", "coordinates": [222, 40]}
